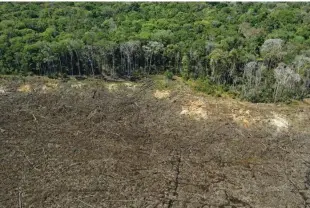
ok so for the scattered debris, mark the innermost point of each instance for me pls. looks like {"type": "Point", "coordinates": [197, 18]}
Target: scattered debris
{"type": "Point", "coordinates": [307, 101]}
{"type": "Point", "coordinates": [112, 87]}
{"type": "Point", "coordinates": [2, 90]}
{"type": "Point", "coordinates": [25, 88]}
{"type": "Point", "coordinates": [131, 150]}
{"type": "Point", "coordinates": [130, 86]}
{"type": "Point", "coordinates": [279, 122]}
{"type": "Point", "coordinates": [161, 94]}
{"type": "Point", "coordinates": [77, 85]}
{"type": "Point", "coordinates": [195, 109]}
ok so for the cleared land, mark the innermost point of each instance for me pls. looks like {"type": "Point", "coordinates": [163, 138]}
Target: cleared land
{"type": "Point", "coordinates": [95, 144]}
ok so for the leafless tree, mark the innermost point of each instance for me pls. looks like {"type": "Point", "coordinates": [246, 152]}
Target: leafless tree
{"type": "Point", "coordinates": [286, 80]}
{"type": "Point", "coordinates": [252, 76]}
{"type": "Point", "coordinates": [150, 50]}
{"type": "Point", "coordinates": [302, 65]}
{"type": "Point", "coordinates": [128, 49]}
{"type": "Point", "coordinates": [272, 51]}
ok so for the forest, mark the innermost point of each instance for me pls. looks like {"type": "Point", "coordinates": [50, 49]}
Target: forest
{"type": "Point", "coordinates": [257, 51]}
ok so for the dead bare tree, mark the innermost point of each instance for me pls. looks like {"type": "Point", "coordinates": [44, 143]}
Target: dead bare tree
{"type": "Point", "coordinates": [286, 80]}
{"type": "Point", "coordinates": [129, 49]}
{"type": "Point", "coordinates": [272, 51]}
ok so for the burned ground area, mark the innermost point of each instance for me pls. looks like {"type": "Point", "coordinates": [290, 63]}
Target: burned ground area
{"type": "Point", "coordinates": [88, 145]}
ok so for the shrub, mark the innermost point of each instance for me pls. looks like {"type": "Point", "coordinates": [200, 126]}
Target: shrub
{"type": "Point", "coordinates": [208, 87]}
{"type": "Point", "coordinates": [169, 75]}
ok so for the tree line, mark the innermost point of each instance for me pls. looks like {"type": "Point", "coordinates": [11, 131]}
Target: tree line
{"type": "Point", "coordinates": [258, 50]}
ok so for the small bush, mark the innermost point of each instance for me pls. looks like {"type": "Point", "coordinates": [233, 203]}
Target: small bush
{"type": "Point", "coordinates": [169, 75]}
{"type": "Point", "coordinates": [52, 76]}
{"type": "Point", "coordinates": [206, 86]}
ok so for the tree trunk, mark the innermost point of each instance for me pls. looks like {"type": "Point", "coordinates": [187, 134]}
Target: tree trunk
{"type": "Point", "coordinates": [113, 64]}
{"type": "Point", "coordinates": [71, 58]}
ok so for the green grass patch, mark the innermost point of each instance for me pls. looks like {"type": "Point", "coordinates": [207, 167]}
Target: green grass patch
{"type": "Point", "coordinates": [206, 86]}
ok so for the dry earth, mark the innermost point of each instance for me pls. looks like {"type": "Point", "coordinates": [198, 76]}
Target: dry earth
{"type": "Point", "coordinates": [96, 144]}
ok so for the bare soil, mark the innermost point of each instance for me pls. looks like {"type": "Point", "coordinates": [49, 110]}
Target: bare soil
{"type": "Point", "coordinates": [95, 144]}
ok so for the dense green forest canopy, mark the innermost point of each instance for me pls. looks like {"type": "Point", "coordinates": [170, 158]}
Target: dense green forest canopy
{"type": "Point", "coordinates": [260, 50]}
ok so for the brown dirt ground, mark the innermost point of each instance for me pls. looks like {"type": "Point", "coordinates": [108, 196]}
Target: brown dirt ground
{"type": "Point", "coordinates": [81, 144]}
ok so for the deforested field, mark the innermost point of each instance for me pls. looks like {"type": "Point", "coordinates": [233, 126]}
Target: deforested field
{"type": "Point", "coordinates": [90, 143]}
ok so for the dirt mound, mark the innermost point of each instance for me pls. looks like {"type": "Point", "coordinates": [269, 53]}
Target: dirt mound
{"type": "Point", "coordinates": [25, 88]}
{"type": "Point", "coordinates": [48, 87]}
{"type": "Point", "coordinates": [307, 100]}
{"type": "Point", "coordinates": [112, 87]}
{"type": "Point", "coordinates": [161, 94]}
{"type": "Point", "coordinates": [2, 90]}
{"type": "Point", "coordinates": [195, 109]}
{"type": "Point", "coordinates": [280, 122]}
{"type": "Point", "coordinates": [244, 118]}
{"type": "Point", "coordinates": [130, 86]}
{"type": "Point", "coordinates": [78, 85]}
